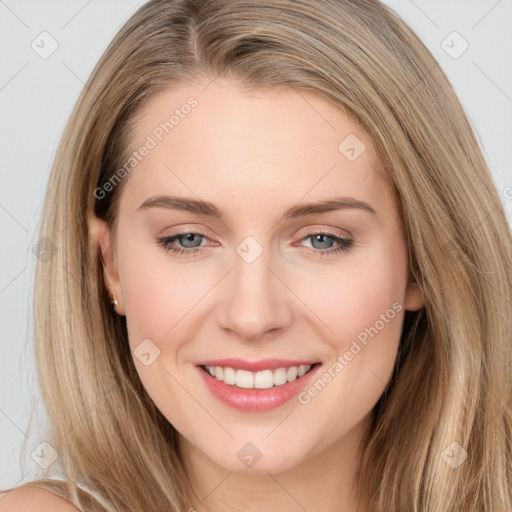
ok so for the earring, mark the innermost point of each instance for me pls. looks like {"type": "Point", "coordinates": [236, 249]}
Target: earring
{"type": "Point", "coordinates": [114, 303]}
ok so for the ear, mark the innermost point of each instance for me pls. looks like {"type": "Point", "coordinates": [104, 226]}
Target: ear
{"type": "Point", "coordinates": [413, 295]}
{"type": "Point", "coordinates": [102, 237]}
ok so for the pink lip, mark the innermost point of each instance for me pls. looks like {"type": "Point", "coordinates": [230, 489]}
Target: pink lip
{"type": "Point", "coordinates": [255, 366]}
{"type": "Point", "coordinates": [256, 400]}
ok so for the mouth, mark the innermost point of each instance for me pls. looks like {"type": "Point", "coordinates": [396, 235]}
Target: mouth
{"type": "Point", "coordinates": [271, 384]}
{"type": "Point", "coordinates": [264, 379]}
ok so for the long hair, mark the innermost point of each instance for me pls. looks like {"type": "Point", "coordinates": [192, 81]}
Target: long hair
{"type": "Point", "coordinates": [449, 396]}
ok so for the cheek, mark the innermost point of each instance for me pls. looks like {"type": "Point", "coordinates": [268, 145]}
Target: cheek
{"type": "Point", "coordinates": [149, 304]}
{"type": "Point", "coordinates": [362, 304]}
{"type": "Point", "coordinates": [161, 302]}
{"type": "Point", "coordinates": [364, 310]}
{"type": "Point", "coordinates": [160, 295]}
{"type": "Point", "coordinates": [352, 297]}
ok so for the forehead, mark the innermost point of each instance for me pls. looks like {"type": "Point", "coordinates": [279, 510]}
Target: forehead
{"type": "Point", "coordinates": [273, 146]}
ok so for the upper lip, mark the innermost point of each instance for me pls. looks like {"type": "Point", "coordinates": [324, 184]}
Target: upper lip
{"type": "Point", "coordinates": [255, 366]}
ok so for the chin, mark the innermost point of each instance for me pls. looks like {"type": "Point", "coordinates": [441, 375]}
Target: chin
{"type": "Point", "coordinates": [257, 458]}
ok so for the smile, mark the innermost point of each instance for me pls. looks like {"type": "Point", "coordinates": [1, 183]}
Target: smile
{"type": "Point", "coordinates": [265, 379]}
{"type": "Point", "coordinates": [256, 386]}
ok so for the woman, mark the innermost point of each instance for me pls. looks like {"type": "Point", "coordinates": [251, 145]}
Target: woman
{"type": "Point", "coordinates": [199, 347]}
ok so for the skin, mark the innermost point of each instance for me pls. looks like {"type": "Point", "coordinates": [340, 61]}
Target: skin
{"type": "Point", "coordinates": [33, 500]}
{"type": "Point", "coordinates": [255, 154]}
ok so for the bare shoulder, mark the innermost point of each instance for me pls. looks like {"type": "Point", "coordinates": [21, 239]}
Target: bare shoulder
{"type": "Point", "coordinates": [28, 499]}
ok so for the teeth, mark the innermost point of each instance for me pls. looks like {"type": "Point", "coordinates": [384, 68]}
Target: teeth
{"type": "Point", "coordinates": [292, 373]}
{"type": "Point", "coordinates": [229, 376]}
{"type": "Point", "coordinates": [244, 379]}
{"type": "Point", "coordinates": [263, 380]}
{"type": "Point", "coordinates": [280, 376]}
{"type": "Point", "coordinates": [258, 380]}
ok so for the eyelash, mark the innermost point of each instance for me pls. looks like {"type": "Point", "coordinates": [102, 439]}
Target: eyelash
{"type": "Point", "coordinates": [345, 244]}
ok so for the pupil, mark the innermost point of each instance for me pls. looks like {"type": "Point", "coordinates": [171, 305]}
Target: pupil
{"type": "Point", "coordinates": [189, 237]}
{"type": "Point", "coordinates": [320, 238]}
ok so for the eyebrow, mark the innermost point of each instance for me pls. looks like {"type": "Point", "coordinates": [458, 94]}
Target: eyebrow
{"type": "Point", "coordinates": [299, 210]}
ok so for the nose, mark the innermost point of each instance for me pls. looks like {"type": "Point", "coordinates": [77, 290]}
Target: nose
{"type": "Point", "coordinates": [256, 300]}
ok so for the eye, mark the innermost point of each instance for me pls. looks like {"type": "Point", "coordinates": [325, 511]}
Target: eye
{"type": "Point", "coordinates": [318, 239]}
{"type": "Point", "coordinates": [190, 243]}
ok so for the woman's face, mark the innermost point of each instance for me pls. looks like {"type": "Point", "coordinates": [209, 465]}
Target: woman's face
{"type": "Point", "coordinates": [261, 283]}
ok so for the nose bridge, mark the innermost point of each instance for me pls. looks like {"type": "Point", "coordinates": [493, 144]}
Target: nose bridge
{"type": "Point", "coordinates": [255, 300]}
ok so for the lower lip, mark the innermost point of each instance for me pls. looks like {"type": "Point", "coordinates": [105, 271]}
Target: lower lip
{"type": "Point", "coordinates": [256, 400]}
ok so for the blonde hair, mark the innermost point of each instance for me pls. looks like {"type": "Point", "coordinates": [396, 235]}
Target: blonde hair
{"type": "Point", "coordinates": [452, 378]}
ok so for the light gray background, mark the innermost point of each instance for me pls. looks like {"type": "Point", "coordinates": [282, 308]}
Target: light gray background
{"type": "Point", "coordinates": [37, 95]}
